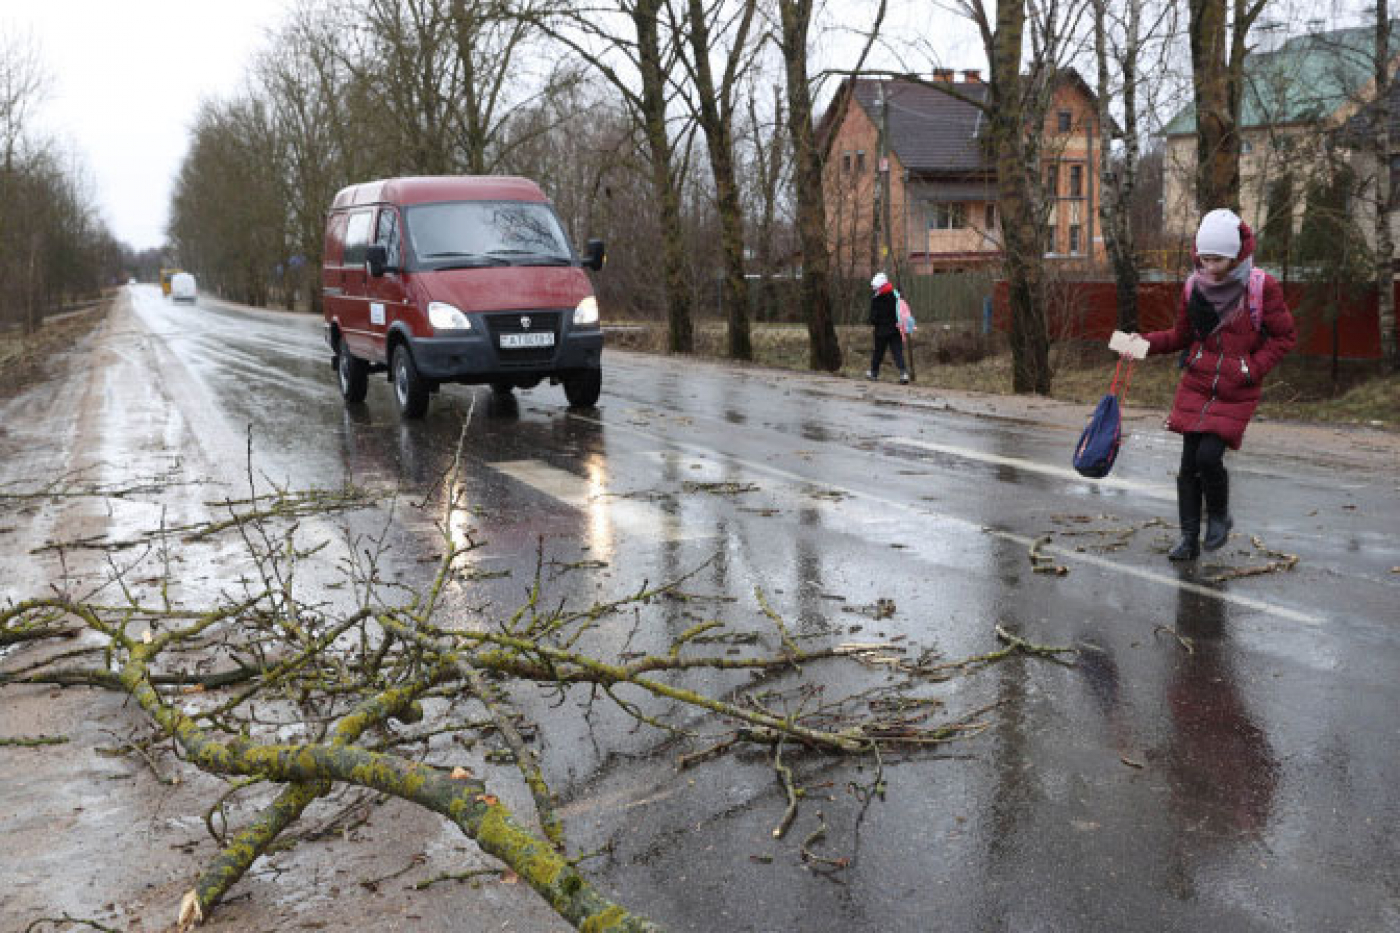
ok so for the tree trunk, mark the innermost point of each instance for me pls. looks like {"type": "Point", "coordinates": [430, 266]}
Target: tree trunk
{"type": "Point", "coordinates": [825, 350]}
{"type": "Point", "coordinates": [681, 335]}
{"type": "Point", "coordinates": [1021, 228]}
{"type": "Point", "coordinates": [1118, 182]}
{"type": "Point", "coordinates": [1217, 135]}
{"type": "Point", "coordinates": [1385, 246]}
{"type": "Point", "coordinates": [716, 117]}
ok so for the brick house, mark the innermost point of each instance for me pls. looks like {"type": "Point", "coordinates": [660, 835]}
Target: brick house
{"type": "Point", "coordinates": [943, 212]}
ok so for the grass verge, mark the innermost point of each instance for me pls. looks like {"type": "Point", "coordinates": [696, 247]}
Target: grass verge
{"type": "Point", "coordinates": [1301, 389]}
{"type": "Point", "coordinates": [24, 356]}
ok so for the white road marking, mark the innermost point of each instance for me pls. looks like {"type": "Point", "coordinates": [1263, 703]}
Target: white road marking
{"type": "Point", "coordinates": [1103, 563]}
{"type": "Point", "coordinates": [1030, 466]}
{"type": "Point", "coordinates": [587, 495]}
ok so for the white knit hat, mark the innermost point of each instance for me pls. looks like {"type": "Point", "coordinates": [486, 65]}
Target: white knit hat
{"type": "Point", "coordinates": [880, 281]}
{"type": "Point", "coordinates": [1219, 234]}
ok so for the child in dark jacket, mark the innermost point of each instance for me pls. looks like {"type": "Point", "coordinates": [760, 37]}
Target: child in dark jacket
{"type": "Point", "coordinates": [1229, 354]}
{"type": "Point", "coordinates": [884, 322]}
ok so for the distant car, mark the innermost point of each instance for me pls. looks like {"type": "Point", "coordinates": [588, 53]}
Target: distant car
{"type": "Point", "coordinates": [182, 287]}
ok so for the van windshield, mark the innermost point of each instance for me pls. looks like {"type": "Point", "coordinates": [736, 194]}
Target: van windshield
{"type": "Point", "coordinates": [486, 233]}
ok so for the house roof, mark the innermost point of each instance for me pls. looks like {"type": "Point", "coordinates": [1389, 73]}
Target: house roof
{"type": "Point", "coordinates": [930, 131]}
{"type": "Point", "coordinates": [1303, 81]}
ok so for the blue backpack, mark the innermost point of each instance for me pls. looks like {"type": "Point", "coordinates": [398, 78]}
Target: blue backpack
{"type": "Point", "coordinates": [1098, 445]}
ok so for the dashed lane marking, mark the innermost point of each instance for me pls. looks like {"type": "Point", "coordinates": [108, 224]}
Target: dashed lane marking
{"type": "Point", "coordinates": [1103, 563]}
{"type": "Point", "coordinates": [585, 494]}
{"type": "Point", "coordinates": [1157, 490]}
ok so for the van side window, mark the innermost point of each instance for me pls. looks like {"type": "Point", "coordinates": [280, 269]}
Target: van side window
{"type": "Point", "coordinates": [356, 238]}
{"type": "Point", "coordinates": [388, 234]}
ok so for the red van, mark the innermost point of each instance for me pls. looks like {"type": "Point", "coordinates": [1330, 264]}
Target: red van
{"type": "Point", "coordinates": [458, 279]}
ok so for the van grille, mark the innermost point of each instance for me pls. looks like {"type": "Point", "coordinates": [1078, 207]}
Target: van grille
{"type": "Point", "coordinates": [510, 323]}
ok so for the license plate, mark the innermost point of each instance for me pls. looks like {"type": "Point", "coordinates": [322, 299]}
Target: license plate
{"type": "Point", "coordinates": [543, 338]}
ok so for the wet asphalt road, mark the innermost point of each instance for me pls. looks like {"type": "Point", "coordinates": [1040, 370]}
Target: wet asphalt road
{"type": "Point", "coordinates": [1246, 778]}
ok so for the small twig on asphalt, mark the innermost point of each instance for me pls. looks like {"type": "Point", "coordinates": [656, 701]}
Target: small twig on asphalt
{"type": "Point", "coordinates": [1041, 563]}
{"type": "Point", "coordinates": [456, 876]}
{"type": "Point", "coordinates": [1281, 562]}
{"type": "Point", "coordinates": [34, 927]}
{"type": "Point", "coordinates": [1181, 639]}
{"type": "Point", "coordinates": [34, 742]}
{"type": "Point", "coordinates": [812, 839]}
{"type": "Point", "coordinates": [372, 884]}
{"type": "Point", "coordinates": [705, 754]}
{"type": "Point", "coordinates": [785, 778]}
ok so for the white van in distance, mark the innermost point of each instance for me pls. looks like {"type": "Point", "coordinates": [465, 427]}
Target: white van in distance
{"type": "Point", "coordinates": [182, 287]}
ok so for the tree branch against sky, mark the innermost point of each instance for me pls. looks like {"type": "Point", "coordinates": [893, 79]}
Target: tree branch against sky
{"type": "Point", "coordinates": [626, 44]}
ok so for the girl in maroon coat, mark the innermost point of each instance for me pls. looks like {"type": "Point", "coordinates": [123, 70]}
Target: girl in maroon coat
{"type": "Point", "coordinates": [1229, 354]}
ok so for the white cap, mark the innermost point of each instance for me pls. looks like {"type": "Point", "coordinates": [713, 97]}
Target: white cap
{"type": "Point", "coordinates": [879, 282]}
{"type": "Point", "coordinates": [1219, 234]}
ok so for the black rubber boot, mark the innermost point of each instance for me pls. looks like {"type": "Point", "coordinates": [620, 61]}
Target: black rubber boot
{"type": "Point", "coordinates": [1188, 505]}
{"type": "Point", "coordinates": [1218, 520]}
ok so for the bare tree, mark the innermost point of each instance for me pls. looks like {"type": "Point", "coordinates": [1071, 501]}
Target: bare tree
{"type": "Point", "coordinates": [1119, 41]}
{"type": "Point", "coordinates": [644, 86]}
{"type": "Point", "coordinates": [52, 244]}
{"type": "Point", "coordinates": [769, 164]}
{"type": "Point", "coordinates": [1218, 48]}
{"type": "Point", "coordinates": [714, 104]}
{"type": "Point", "coordinates": [795, 21]}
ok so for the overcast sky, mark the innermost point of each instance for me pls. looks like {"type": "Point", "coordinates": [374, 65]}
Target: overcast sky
{"type": "Point", "coordinates": [126, 77]}
{"type": "Point", "coordinates": [124, 81]}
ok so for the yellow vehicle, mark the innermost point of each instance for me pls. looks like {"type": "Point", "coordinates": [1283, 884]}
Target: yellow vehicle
{"type": "Point", "coordinates": [165, 276]}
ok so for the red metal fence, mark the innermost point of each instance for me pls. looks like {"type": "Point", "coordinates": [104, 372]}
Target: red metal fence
{"type": "Point", "coordinates": [1089, 311]}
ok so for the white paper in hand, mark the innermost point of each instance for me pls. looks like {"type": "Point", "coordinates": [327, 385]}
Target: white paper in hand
{"type": "Point", "coordinates": [1128, 344]}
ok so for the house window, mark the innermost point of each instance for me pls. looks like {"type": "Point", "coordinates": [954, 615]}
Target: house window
{"type": "Point", "coordinates": [1049, 238]}
{"type": "Point", "coordinates": [1076, 181]}
{"type": "Point", "coordinates": [1063, 120]}
{"type": "Point", "coordinates": [860, 161]}
{"type": "Point", "coordinates": [990, 217]}
{"type": "Point", "coordinates": [1074, 244]}
{"type": "Point", "coordinates": [846, 162]}
{"type": "Point", "coordinates": [947, 216]}
{"type": "Point", "coordinates": [1052, 180]}
{"type": "Point", "coordinates": [1246, 147]}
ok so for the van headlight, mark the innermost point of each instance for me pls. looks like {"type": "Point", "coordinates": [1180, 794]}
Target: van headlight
{"type": "Point", "coordinates": [586, 312]}
{"type": "Point", "coordinates": [444, 316]}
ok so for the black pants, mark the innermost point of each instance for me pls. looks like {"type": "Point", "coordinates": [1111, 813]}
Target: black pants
{"type": "Point", "coordinates": [1203, 455]}
{"type": "Point", "coordinates": [895, 341]}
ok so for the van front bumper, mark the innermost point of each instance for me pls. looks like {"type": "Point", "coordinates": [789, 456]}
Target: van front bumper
{"type": "Point", "coordinates": [475, 359]}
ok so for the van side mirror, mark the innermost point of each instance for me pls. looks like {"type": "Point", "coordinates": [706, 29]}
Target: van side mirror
{"type": "Point", "coordinates": [377, 258]}
{"type": "Point", "coordinates": [594, 255]}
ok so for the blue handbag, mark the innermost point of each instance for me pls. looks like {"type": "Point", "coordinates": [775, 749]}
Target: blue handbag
{"type": "Point", "coordinates": [1097, 449]}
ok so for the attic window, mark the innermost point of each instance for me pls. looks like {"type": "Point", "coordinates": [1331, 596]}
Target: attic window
{"type": "Point", "coordinates": [1064, 120]}
{"type": "Point", "coordinates": [846, 162]}
{"type": "Point", "coordinates": [860, 161]}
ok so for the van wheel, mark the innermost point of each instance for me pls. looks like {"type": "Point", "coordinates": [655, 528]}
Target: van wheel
{"type": "Point", "coordinates": [353, 374]}
{"type": "Point", "coordinates": [410, 389]}
{"type": "Point", "coordinates": [582, 388]}
{"type": "Point", "coordinates": [501, 388]}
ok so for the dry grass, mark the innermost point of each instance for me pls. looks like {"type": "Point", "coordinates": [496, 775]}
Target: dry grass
{"type": "Point", "coordinates": [23, 356]}
{"type": "Point", "coordinates": [1301, 389]}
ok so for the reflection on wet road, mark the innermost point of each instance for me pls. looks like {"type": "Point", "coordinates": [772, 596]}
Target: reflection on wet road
{"type": "Point", "coordinates": [1222, 755]}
